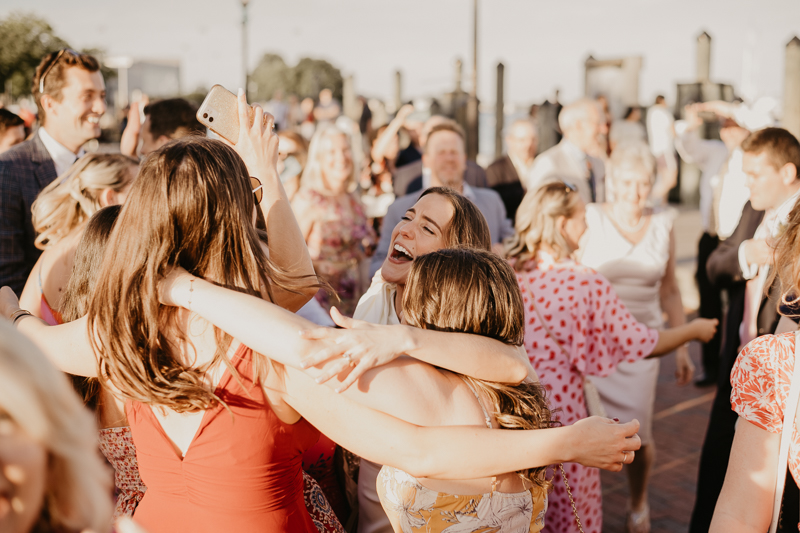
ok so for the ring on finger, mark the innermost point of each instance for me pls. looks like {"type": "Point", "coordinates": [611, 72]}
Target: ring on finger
{"type": "Point", "coordinates": [347, 357]}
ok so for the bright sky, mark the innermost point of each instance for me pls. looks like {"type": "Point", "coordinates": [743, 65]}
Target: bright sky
{"type": "Point", "coordinates": [543, 43]}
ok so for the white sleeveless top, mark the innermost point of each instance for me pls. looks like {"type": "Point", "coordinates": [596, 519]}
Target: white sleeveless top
{"type": "Point", "coordinates": [634, 270]}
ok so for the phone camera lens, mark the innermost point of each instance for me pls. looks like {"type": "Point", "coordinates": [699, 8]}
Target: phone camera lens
{"type": "Point", "coordinates": [205, 115]}
{"type": "Point", "coordinates": [211, 119]}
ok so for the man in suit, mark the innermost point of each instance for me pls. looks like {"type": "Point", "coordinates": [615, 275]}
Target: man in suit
{"type": "Point", "coordinates": [70, 95]}
{"type": "Point", "coordinates": [581, 123]}
{"type": "Point", "coordinates": [507, 174]}
{"type": "Point", "coordinates": [408, 178]}
{"type": "Point", "coordinates": [445, 156]}
{"type": "Point", "coordinates": [741, 264]}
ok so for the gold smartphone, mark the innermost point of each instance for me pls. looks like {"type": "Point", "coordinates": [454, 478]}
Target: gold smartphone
{"type": "Point", "coordinates": [219, 112]}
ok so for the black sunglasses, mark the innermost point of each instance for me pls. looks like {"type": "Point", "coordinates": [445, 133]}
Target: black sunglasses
{"type": "Point", "coordinates": [51, 65]}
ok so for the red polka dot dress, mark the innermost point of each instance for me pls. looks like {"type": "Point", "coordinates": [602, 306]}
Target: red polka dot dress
{"type": "Point", "coordinates": [583, 312]}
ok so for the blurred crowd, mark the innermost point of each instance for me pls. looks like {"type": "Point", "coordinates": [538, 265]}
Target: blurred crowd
{"type": "Point", "coordinates": [324, 325]}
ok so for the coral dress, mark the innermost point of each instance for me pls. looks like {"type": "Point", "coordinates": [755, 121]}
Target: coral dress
{"type": "Point", "coordinates": [240, 473]}
{"type": "Point", "coordinates": [597, 331]}
{"type": "Point", "coordinates": [761, 379]}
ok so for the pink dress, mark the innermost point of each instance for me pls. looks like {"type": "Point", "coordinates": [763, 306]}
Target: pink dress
{"type": "Point", "coordinates": [583, 312]}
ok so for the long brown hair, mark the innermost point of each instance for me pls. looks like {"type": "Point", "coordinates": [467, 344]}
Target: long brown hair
{"type": "Point", "coordinates": [468, 227]}
{"type": "Point", "coordinates": [192, 207]}
{"type": "Point", "coordinates": [85, 270]}
{"type": "Point", "coordinates": [537, 219]}
{"type": "Point", "coordinates": [489, 304]}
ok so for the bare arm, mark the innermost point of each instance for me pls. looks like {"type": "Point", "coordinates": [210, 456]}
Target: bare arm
{"type": "Point", "coordinates": [31, 297]}
{"type": "Point", "coordinates": [454, 452]}
{"type": "Point", "coordinates": [258, 147]}
{"type": "Point", "coordinates": [382, 142]}
{"type": "Point", "coordinates": [701, 329]}
{"type": "Point", "coordinates": [374, 345]}
{"type": "Point", "coordinates": [67, 346]}
{"type": "Point", "coordinates": [672, 305]}
{"type": "Point", "coordinates": [745, 503]}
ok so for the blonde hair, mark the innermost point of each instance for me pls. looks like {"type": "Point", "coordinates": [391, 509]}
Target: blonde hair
{"type": "Point", "coordinates": [312, 173]}
{"type": "Point", "coordinates": [631, 155]}
{"type": "Point", "coordinates": [40, 400]}
{"type": "Point", "coordinates": [537, 219]}
{"type": "Point", "coordinates": [74, 197]}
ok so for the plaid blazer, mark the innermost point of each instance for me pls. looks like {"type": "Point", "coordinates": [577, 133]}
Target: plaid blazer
{"type": "Point", "coordinates": [25, 170]}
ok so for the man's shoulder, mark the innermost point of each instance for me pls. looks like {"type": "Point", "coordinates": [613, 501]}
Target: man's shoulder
{"type": "Point", "coordinates": [551, 152]}
{"type": "Point", "coordinates": [486, 196]}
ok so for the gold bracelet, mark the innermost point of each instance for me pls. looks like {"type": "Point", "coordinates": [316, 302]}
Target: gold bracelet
{"type": "Point", "coordinates": [16, 315]}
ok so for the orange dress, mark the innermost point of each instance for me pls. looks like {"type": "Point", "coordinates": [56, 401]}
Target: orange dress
{"type": "Point", "coordinates": [242, 471]}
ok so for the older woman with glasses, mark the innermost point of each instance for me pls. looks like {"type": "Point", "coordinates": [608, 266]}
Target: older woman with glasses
{"type": "Point", "coordinates": [576, 326]}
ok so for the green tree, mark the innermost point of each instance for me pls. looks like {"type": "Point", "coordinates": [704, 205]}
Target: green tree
{"type": "Point", "coordinates": [271, 74]}
{"type": "Point", "coordinates": [26, 38]}
{"type": "Point", "coordinates": [307, 78]}
{"type": "Point", "coordinates": [310, 76]}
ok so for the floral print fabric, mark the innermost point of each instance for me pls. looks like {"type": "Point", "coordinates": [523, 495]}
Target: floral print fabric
{"type": "Point", "coordinates": [597, 332]}
{"type": "Point", "coordinates": [318, 507]}
{"type": "Point", "coordinates": [339, 240]}
{"type": "Point", "coordinates": [117, 446]}
{"type": "Point", "coordinates": [761, 378]}
{"type": "Point", "coordinates": [413, 508]}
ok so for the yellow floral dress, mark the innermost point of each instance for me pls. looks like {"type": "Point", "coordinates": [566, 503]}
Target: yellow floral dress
{"type": "Point", "coordinates": [412, 508]}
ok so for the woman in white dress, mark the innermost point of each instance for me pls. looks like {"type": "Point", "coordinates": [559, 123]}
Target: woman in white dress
{"type": "Point", "coordinates": [634, 247]}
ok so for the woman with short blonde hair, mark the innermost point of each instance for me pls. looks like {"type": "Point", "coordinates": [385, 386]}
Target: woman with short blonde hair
{"type": "Point", "coordinates": [63, 485]}
{"type": "Point", "coordinates": [60, 213]}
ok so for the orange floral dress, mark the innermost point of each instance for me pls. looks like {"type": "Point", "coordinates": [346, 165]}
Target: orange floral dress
{"type": "Point", "coordinates": [761, 379]}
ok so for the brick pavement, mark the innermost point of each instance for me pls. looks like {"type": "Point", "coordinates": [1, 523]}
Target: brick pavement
{"type": "Point", "coordinates": [678, 430]}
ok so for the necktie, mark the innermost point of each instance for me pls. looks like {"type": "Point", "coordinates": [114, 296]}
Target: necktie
{"type": "Point", "coordinates": [590, 178]}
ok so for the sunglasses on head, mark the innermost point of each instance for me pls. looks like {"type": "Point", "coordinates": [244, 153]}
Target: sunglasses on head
{"type": "Point", "coordinates": [51, 65]}
{"type": "Point", "coordinates": [570, 187]}
{"type": "Point", "coordinates": [258, 189]}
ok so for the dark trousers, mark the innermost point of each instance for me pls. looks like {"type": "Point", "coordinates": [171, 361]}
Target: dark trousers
{"type": "Point", "coordinates": [710, 305]}
{"type": "Point", "coordinates": [721, 424]}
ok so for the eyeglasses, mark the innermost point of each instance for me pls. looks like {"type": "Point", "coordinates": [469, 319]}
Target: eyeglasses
{"type": "Point", "coordinates": [47, 70]}
{"type": "Point", "coordinates": [258, 189]}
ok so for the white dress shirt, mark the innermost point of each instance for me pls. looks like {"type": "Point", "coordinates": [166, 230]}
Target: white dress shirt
{"type": "Point", "coordinates": [63, 157]}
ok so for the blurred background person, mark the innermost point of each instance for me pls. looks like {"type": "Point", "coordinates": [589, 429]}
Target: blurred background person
{"type": "Point", "coordinates": [278, 109]}
{"type": "Point", "coordinates": [60, 213]}
{"type": "Point", "coordinates": [723, 195]}
{"type": "Point", "coordinates": [307, 123]}
{"type": "Point", "coordinates": [409, 178]}
{"type": "Point", "coordinates": [627, 129]}
{"type": "Point", "coordinates": [332, 218]}
{"type": "Point", "coordinates": [576, 326]}
{"type": "Point", "coordinates": [70, 94]}
{"type": "Point", "coordinates": [661, 135]}
{"type": "Point", "coordinates": [52, 478]}
{"type": "Point", "coordinates": [742, 263]}
{"type": "Point", "coordinates": [581, 123]}
{"type": "Point", "coordinates": [12, 129]}
{"type": "Point", "coordinates": [292, 156]}
{"type": "Point", "coordinates": [507, 174]}
{"type": "Point", "coordinates": [327, 109]}
{"type": "Point", "coordinates": [445, 157]}
{"type": "Point", "coordinates": [164, 121]}
{"type": "Point", "coordinates": [633, 247]}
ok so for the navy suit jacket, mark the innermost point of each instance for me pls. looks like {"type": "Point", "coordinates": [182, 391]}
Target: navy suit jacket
{"type": "Point", "coordinates": [25, 170]}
